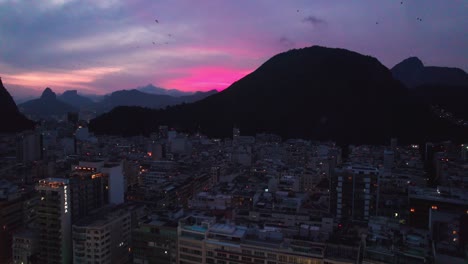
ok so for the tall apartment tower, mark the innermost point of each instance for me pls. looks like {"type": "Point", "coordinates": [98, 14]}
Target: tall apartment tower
{"type": "Point", "coordinates": [389, 160]}
{"type": "Point", "coordinates": [29, 147]}
{"type": "Point", "coordinates": [116, 182]}
{"type": "Point", "coordinates": [103, 237]}
{"type": "Point", "coordinates": [88, 191]}
{"type": "Point", "coordinates": [54, 221]}
{"type": "Point", "coordinates": [356, 192]}
{"type": "Point", "coordinates": [235, 135]}
{"type": "Point", "coordinates": [393, 143]}
{"type": "Point", "coordinates": [95, 184]}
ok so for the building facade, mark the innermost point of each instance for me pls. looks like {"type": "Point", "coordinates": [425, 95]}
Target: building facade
{"type": "Point", "coordinates": [54, 221]}
{"type": "Point", "coordinates": [356, 192]}
{"type": "Point", "coordinates": [104, 237]}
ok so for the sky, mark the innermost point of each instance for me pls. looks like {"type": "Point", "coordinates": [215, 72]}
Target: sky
{"type": "Point", "coordinates": [102, 46]}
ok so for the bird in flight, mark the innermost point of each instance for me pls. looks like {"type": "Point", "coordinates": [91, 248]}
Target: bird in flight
{"type": "Point", "coordinates": [157, 21]}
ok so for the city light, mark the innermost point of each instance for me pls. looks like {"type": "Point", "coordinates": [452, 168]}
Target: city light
{"type": "Point", "coordinates": [313, 119]}
{"type": "Point", "coordinates": [65, 197]}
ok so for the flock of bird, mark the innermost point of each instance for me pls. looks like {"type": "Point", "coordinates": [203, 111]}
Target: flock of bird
{"type": "Point", "coordinates": [170, 35]}
{"type": "Point", "coordinates": [418, 18]}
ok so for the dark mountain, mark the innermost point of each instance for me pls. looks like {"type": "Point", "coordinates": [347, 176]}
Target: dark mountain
{"type": "Point", "coordinates": [72, 98]}
{"type": "Point", "coordinates": [137, 98]}
{"type": "Point", "coordinates": [46, 106]}
{"type": "Point", "coordinates": [151, 89]}
{"type": "Point", "coordinates": [450, 98]}
{"type": "Point", "coordinates": [413, 73]}
{"type": "Point", "coordinates": [11, 119]}
{"type": "Point", "coordinates": [95, 97]}
{"type": "Point", "coordinates": [315, 92]}
{"type": "Point", "coordinates": [197, 96]}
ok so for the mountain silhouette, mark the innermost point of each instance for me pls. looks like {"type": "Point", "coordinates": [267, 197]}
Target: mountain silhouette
{"type": "Point", "coordinates": [11, 119]}
{"type": "Point", "coordinates": [46, 106]}
{"type": "Point", "coordinates": [449, 98]}
{"type": "Point", "coordinates": [72, 98]}
{"type": "Point", "coordinates": [197, 96]}
{"type": "Point", "coordinates": [315, 92]}
{"type": "Point", "coordinates": [137, 98]}
{"type": "Point", "coordinates": [413, 73]}
{"type": "Point", "coordinates": [151, 89]}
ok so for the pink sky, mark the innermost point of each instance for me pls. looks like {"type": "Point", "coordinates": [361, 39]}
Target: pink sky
{"type": "Point", "coordinates": [103, 46]}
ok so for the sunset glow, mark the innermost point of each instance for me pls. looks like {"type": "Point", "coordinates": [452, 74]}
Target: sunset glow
{"type": "Point", "coordinates": [67, 79]}
{"type": "Point", "coordinates": [203, 79]}
{"type": "Point", "coordinates": [109, 45]}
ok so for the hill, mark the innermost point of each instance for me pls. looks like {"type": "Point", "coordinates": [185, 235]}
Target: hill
{"type": "Point", "coordinates": [316, 92]}
{"type": "Point", "coordinates": [450, 98]}
{"type": "Point", "coordinates": [72, 98]}
{"type": "Point", "coordinates": [137, 98]}
{"type": "Point", "coordinates": [46, 106]}
{"type": "Point", "coordinates": [151, 89]}
{"type": "Point", "coordinates": [413, 73]}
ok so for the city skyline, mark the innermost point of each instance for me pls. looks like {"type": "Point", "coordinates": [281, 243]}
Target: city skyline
{"type": "Point", "coordinates": [104, 46]}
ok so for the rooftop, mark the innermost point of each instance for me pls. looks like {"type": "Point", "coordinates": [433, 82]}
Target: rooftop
{"type": "Point", "coordinates": [102, 217]}
{"type": "Point", "coordinates": [441, 194]}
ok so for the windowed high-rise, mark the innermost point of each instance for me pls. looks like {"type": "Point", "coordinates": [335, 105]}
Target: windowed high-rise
{"type": "Point", "coordinates": [356, 192]}
{"type": "Point", "coordinates": [103, 237]}
{"type": "Point", "coordinates": [54, 221]}
{"type": "Point", "coordinates": [88, 191]}
{"type": "Point", "coordinates": [29, 147]}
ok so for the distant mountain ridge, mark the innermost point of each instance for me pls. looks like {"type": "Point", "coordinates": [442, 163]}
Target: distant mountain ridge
{"type": "Point", "coordinates": [72, 97]}
{"type": "Point", "coordinates": [49, 104]}
{"type": "Point", "coordinates": [151, 89]}
{"type": "Point", "coordinates": [46, 106]}
{"type": "Point", "coordinates": [135, 97]}
{"type": "Point", "coordinates": [413, 73]}
{"type": "Point", "coordinates": [10, 118]}
{"type": "Point", "coordinates": [316, 92]}
{"type": "Point", "coordinates": [438, 86]}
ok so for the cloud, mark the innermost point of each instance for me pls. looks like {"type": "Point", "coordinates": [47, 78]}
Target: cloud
{"type": "Point", "coordinates": [286, 42]}
{"type": "Point", "coordinates": [61, 80]}
{"type": "Point", "coordinates": [60, 43]}
{"type": "Point", "coordinates": [313, 20]}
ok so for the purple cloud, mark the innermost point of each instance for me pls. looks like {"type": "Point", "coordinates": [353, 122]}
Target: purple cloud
{"type": "Point", "coordinates": [313, 20]}
{"type": "Point", "coordinates": [107, 45]}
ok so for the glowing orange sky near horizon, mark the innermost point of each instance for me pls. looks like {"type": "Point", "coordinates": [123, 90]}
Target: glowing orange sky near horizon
{"type": "Point", "coordinates": [108, 45]}
{"type": "Point", "coordinates": [75, 79]}
{"type": "Point", "coordinates": [194, 79]}
{"type": "Point", "coordinates": [207, 78]}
